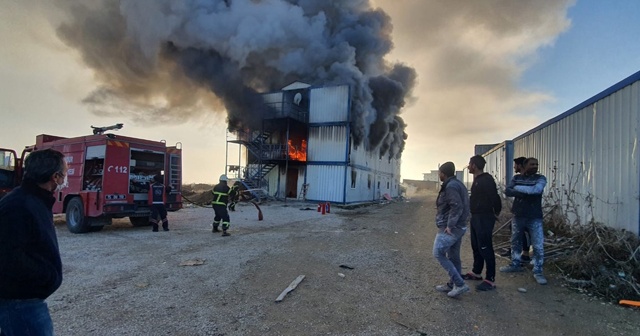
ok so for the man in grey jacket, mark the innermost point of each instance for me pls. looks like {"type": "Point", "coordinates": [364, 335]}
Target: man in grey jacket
{"type": "Point", "coordinates": [451, 220]}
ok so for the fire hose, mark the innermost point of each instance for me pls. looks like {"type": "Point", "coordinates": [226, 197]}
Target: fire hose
{"type": "Point", "coordinates": [260, 216]}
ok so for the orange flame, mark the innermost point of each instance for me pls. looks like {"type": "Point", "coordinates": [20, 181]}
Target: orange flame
{"type": "Point", "coordinates": [298, 154]}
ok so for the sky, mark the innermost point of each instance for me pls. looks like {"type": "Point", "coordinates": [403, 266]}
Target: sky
{"type": "Point", "coordinates": [487, 71]}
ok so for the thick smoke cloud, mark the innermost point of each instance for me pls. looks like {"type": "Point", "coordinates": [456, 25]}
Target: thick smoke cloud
{"type": "Point", "coordinates": [160, 60]}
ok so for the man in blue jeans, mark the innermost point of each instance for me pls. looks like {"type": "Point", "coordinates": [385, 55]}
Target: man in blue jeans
{"type": "Point", "coordinates": [30, 266]}
{"type": "Point", "coordinates": [527, 190]}
{"type": "Point", "coordinates": [451, 220]}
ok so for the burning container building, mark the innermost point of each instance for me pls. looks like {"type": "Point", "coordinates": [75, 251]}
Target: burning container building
{"type": "Point", "coordinates": [304, 149]}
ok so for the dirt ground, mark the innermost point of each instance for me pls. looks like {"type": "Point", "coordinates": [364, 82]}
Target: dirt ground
{"type": "Point", "coordinates": [368, 271]}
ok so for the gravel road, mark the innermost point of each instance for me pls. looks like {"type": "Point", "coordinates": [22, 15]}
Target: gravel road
{"type": "Point", "coordinates": [368, 271]}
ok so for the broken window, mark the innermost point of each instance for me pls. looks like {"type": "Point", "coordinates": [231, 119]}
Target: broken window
{"type": "Point", "coordinates": [354, 176]}
{"type": "Point", "coordinates": [369, 182]}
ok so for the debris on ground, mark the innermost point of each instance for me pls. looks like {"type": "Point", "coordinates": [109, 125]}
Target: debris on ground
{"type": "Point", "coordinates": [630, 303]}
{"type": "Point", "coordinates": [192, 262]}
{"type": "Point", "coordinates": [590, 257]}
{"type": "Point", "coordinates": [291, 287]}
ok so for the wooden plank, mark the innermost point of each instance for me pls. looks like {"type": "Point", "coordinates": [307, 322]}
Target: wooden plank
{"type": "Point", "coordinates": [291, 287]}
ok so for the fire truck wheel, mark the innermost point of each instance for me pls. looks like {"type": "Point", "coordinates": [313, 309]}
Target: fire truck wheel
{"type": "Point", "coordinates": [139, 221]}
{"type": "Point", "coordinates": [76, 221]}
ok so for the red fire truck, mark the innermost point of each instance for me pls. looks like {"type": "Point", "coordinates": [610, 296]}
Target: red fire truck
{"type": "Point", "coordinates": [109, 177]}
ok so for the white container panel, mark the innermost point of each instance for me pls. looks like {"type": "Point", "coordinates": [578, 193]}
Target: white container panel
{"type": "Point", "coordinates": [371, 160]}
{"type": "Point", "coordinates": [359, 189]}
{"type": "Point", "coordinates": [497, 165]}
{"type": "Point", "coordinates": [273, 98]}
{"type": "Point", "coordinates": [326, 183]}
{"type": "Point", "coordinates": [327, 144]}
{"type": "Point", "coordinates": [329, 104]}
{"type": "Point", "coordinates": [592, 154]}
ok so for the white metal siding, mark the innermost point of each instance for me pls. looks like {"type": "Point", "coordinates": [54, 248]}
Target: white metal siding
{"type": "Point", "coordinates": [361, 192]}
{"type": "Point", "coordinates": [326, 183]}
{"type": "Point", "coordinates": [592, 153]}
{"type": "Point", "coordinates": [497, 165]}
{"type": "Point", "coordinates": [372, 160]}
{"type": "Point", "coordinates": [272, 98]}
{"type": "Point", "coordinates": [329, 104]}
{"type": "Point", "coordinates": [277, 180]}
{"type": "Point", "coordinates": [327, 144]}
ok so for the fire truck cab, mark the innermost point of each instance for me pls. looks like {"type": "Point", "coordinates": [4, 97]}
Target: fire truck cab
{"type": "Point", "coordinates": [9, 170]}
{"type": "Point", "coordinates": [109, 177]}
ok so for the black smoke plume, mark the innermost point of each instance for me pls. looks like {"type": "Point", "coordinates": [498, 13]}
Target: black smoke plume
{"type": "Point", "coordinates": [160, 60]}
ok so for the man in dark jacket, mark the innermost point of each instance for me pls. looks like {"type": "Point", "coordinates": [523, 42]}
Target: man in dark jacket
{"type": "Point", "coordinates": [485, 206]}
{"type": "Point", "coordinates": [451, 220]}
{"type": "Point", "coordinates": [219, 203]}
{"type": "Point", "coordinates": [527, 191]}
{"type": "Point", "coordinates": [30, 266]}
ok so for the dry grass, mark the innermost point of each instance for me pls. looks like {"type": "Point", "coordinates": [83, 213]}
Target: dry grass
{"type": "Point", "coordinates": [591, 257]}
{"type": "Point", "coordinates": [605, 262]}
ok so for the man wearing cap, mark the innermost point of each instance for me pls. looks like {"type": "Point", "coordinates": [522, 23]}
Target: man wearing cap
{"type": "Point", "coordinates": [219, 203]}
{"type": "Point", "coordinates": [451, 220]}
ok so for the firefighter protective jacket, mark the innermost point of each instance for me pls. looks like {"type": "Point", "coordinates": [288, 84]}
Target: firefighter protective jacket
{"type": "Point", "coordinates": [220, 194]}
{"type": "Point", "coordinates": [156, 193]}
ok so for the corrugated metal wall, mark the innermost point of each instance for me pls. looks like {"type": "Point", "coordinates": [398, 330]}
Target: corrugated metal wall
{"type": "Point", "coordinates": [326, 183]}
{"type": "Point", "coordinates": [327, 143]}
{"type": "Point", "coordinates": [329, 104]}
{"type": "Point", "coordinates": [371, 159]}
{"type": "Point", "coordinates": [592, 154]}
{"type": "Point", "coordinates": [360, 185]}
{"type": "Point", "coordinates": [277, 181]}
{"type": "Point", "coordinates": [385, 175]}
{"type": "Point", "coordinates": [500, 163]}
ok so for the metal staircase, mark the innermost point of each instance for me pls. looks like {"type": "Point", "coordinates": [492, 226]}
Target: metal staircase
{"type": "Point", "coordinates": [265, 159]}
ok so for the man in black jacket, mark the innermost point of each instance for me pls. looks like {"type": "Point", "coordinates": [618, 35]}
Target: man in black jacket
{"type": "Point", "coordinates": [485, 205]}
{"type": "Point", "coordinates": [30, 266]}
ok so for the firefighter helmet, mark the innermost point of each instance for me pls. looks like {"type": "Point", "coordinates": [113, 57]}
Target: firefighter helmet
{"type": "Point", "coordinates": [223, 178]}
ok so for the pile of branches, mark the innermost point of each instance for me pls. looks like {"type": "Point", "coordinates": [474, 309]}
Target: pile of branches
{"type": "Point", "coordinates": [604, 261]}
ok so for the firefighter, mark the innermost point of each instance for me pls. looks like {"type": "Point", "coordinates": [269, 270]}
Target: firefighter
{"type": "Point", "coordinates": [157, 192]}
{"type": "Point", "coordinates": [219, 203]}
{"type": "Point", "coordinates": [234, 195]}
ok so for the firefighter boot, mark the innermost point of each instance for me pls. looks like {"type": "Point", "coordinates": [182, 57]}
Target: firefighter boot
{"type": "Point", "coordinates": [215, 227]}
{"type": "Point", "coordinates": [224, 230]}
